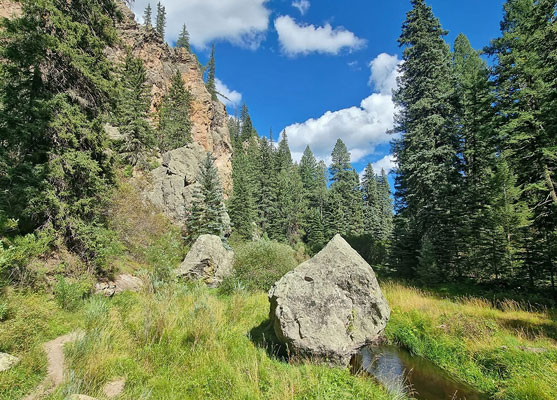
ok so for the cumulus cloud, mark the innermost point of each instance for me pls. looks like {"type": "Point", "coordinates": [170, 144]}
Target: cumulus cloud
{"type": "Point", "coordinates": [388, 163]}
{"type": "Point", "coordinates": [297, 38]}
{"type": "Point", "coordinates": [241, 22]}
{"type": "Point", "coordinates": [362, 127]}
{"type": "Point", "coordinates": [227, 96]}
{"type": "Point", "coordinates": [301, 5]}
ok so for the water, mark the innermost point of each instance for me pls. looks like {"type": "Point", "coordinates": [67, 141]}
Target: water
{"type": "Point", "coordinates": [400, 372]}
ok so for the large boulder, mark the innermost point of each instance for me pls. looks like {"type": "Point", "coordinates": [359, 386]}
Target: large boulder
{"type": "Point", "coordinates": [330, 306]}
{"type": "Point", "coordinates": [123, 282]}
{"type": "Point", "coordinates": [208, 260]}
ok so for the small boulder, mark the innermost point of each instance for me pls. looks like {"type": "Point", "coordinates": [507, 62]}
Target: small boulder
{"type": "Point", "coordinates": [7, 361]}
{"type": "Point", "coordinates": [208, 260]}
{"type": "Point", "coordinates": [329, 306]}
{"type": "Point", "coordinates": [122, 283]}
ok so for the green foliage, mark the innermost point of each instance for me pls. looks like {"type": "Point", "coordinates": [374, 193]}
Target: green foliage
{"type": "Point", "coordinates": [147, 17]}
{"type": "Point", "coordinates": [258, 265]}
{"type": "Point", "coordinates": [160, 22]}
{"type": "Point", "coordinates": [208, 213]}
{"type": "Point", "coordinates": [69, 293]}
{"type": "Point", "coordinates": [174, 116]}
{"type": "Point", "coordinates": [210, 83]}
{"type": "Point", "coordinates": [133, 112]}
{"type": "Point", "coordinates": [183, 41]}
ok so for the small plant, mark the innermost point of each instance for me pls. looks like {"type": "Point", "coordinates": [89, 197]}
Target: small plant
{"type": "Point", "coordinates": [68, 294]}
{"type": "Point", "coordinates": [4, 310]}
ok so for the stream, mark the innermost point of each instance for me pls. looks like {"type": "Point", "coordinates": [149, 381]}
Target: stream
{"type": "Point", "coordinates": [401, 372]}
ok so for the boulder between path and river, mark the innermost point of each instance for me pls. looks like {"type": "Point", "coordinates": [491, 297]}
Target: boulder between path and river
{"type": "Point", "coordinates": [329, 306]}
{"type": "Point", "coordinates": [208, 260]}
{"type": "Point", "coordinates": [7, 361]}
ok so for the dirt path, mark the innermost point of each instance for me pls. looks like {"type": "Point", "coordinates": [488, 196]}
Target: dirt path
{"type": "Point", "coordinates": [56, 368]}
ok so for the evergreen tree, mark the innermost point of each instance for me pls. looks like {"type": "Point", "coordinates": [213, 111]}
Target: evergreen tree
{"type": "Point", "coordinates": [247, 130]}
{"type": "Point", "coordinates": [160, 25]}
{"type": "Point", "coordinates": [385, 208]}
{"type": "Point", "coordinates": [525, 76]}
{"type": "Point", "coordinates": [183, 41]}
{"type": "Point", "coordinates": [243, 210]}
{"type": "Point", "coordinates": [133, 111]}
{"type": "Point", "coordinates": [147, 17]}
{"type": "Point", "coordinates": [345, 193]}
{"type": "Point", "coordinates": [211, 71]}
{"type": "Point", "coordinates": [428, 176]}
{"type": "Point", "coordinates": [208, 214]}
{"type": "Point", "coordinates": [56, 171]}
{"type": "Point", "coordinates": [372, 207]}
{"type": "Point", "coordinates": [475, 118]}
{"type": "Point", "coordinates": [174, 116]}
{"type": "Point", "coordinates": [283, 155]}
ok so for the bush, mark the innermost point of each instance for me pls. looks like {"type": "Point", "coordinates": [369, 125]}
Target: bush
{"type": "Point", "coordinates": [68, 294]}
{"type": "Point", "coordinates": [258, 265]}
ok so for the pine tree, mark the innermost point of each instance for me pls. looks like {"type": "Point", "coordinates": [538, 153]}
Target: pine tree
{"type": "Point", "coordinates": [385, 208]}
{"type": "Point", "coordinates": [525, 76]}
{"type": "Point", "coordinates": [211, 71]}
{"type": "Point", "coordinates": [174, 116]}
{"type": "Point", "coordinates": [147, 17]}
{"type": "Point", "coordinates": [345, 193]}
{"type": "Point", "coordinates": [183, 41]}
{"type": "Point", "coordinates": [428, 176]}
{"type": "Point", "coordinates": [372, 207]}
{"type": "Point", "coordinates": [56, 172]}
{"type": "Point", "coordinates": [243, 210]}
{"type": "Point", "coordinates": [208, 214]}
{"type": "Point", "coordinates": [133, 111]}
{"type": "Point", "coordinates": [160, 25]}
{"type": "Point", "coordinates": [283, 155]}
{"type": "Point", "coordinates": [476, 126]}
{"type": "Point", "coordinates": [247, 130]}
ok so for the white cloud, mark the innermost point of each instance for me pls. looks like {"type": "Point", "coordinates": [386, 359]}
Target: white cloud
{"type": "Point", "coordinates": [362, 127]}
{"type": "Point", "coordinates": [304, 39]}
{"type": "Point", "coordinates": [301, 5]}
{"type": "Point", "coordinates": [384, 71]}
{"type": "Point", "coordinates": [388, 163]}
{"type": "Point", "coordinates": [241, 22]}
{"type": "Point", "coordinates": [227, 96]}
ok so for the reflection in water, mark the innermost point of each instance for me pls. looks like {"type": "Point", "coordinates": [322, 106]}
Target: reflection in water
{"type": "Point", "coordinates": [400, 372]}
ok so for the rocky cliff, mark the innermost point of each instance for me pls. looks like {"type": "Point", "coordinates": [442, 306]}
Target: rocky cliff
{"type": "Point", "coordinates": [209, 117]}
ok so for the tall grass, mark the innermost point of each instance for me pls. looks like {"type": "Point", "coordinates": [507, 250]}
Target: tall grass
{"type": "Point", "coordinates": [501, 351]}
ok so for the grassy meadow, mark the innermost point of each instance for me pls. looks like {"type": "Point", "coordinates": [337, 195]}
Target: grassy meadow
{"type": "Point", "coordinates": [187, 341]}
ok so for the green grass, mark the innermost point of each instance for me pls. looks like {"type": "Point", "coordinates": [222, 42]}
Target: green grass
{"type": "Point", "coordinates": [190, 342]}
{"type": "Point", "coordinates": [31, 320]}
{"type": "Point", "coordinates": [506, 352]}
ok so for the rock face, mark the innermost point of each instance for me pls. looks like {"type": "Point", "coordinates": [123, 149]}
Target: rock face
{"type": "Point", "coordinates": [209, 118]}
{"type": "Point", "coordinates": [7, 361]}
{"type": "Point", "coordinates": [174, 182]}
{"type": "Point", "coordinates": [122, 283]}
{"type": "Point", "coordinates": [208, 260]}
{"type": "Point", "coordinates": [330, 306]}
{"type": "Point", "coordinates": [9, 9]}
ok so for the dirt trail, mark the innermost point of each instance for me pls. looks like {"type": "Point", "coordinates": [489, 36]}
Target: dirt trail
{"type": "Point", "coordinates": [56, 367]}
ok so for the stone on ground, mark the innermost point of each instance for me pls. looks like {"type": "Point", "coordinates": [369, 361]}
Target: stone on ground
{"type": "Point", "coordinates": [208, 260]}
{"type": "Point", "coordinates": [122, 283]}
{"type": "Point", "coordinates": [7, 361]}
{"type": "Point", "coordinates": [114, 389]}
{"type": "Point", "coordinates": [329, 306]}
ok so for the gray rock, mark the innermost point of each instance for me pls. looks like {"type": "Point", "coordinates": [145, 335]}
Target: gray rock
{"type": "Point", "coordinates": [330, 306]}
{"type": "Point", "coordinates": [208, 260]}
{"type": "Point", "coordinates": [122, 283]}
{"type": "Point", "coordinates": [173, 182]}
{"type": "Point", "coordinates": [7, 361]}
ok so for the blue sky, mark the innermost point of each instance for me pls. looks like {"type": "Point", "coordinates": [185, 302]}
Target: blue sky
{"type": "Point", "coordinates": [304, 65]}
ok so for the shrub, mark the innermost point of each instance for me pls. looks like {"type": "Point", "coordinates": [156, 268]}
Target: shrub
{"type": "Point", "coordinates": [258, 265]}
{"type": "Point", "coordinates": [68, 294]}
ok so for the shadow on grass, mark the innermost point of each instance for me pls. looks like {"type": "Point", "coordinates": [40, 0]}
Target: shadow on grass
{"type": "Point", "coordinates": [531, 330]}
{"type": "Point", "coordinates": [263, 336]}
